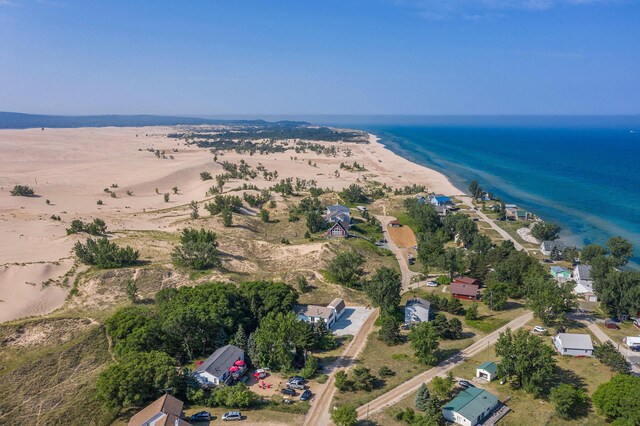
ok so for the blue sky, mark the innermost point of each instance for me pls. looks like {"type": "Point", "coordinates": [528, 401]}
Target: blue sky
{"type": "Point", "coordinates": [320, 57]}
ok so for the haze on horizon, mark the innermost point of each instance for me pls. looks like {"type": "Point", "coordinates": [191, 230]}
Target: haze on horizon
{"type": "Point", "coordinates": [328, 57]}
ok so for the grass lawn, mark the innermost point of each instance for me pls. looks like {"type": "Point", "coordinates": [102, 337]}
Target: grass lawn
{"type": "Point", "coordinates": [626, 329]}
{"type": "Point", "coordinates": [587, 373]}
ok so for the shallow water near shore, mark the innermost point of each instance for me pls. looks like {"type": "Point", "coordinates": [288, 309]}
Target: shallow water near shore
{"type": "Point", "coordinates": [581, 172]}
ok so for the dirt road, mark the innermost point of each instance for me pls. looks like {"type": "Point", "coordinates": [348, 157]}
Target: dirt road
{"type": "Point", "coordinates": [397, 393]}
{"type": "Point", "coordinates": [318, 414]}
{"type": "Point", "coordinates": [407, 274]}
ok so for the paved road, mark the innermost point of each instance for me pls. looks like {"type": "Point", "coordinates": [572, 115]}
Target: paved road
{"type": "Point", "coordinates": [603, 337]}
{"type": "Point", "coordinates": [466, 200]}
{"type": "Point", "coordinates": [318, 414]}
{"type": "Point", "coordinates": [401, 391]}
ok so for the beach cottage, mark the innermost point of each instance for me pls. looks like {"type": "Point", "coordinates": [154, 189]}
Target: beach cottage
{"type": "Point", "coordinates": [584, 284]}
{"type": "Point", "coordinates": [573, 344]}
{"type": "Point", "coordinates": [470, 407]}
{"type": "Point", "coordinates": [548, 246]}
{"type": "Point", "coordinates": [440, 200]}
{"type": "Point", "coordinates": [560, 274]}
{"type": "Point", "coordinates": [165, 410]}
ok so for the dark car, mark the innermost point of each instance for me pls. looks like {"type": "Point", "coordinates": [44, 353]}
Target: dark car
{"type": "Point", "coordinates": [288, 391]}
{"type": "Point", "coordinates": [306, 395]}
{"type": "Point", "coordinates": [466, 384]}
{"type": "Point", "coordinates": [202, 416]}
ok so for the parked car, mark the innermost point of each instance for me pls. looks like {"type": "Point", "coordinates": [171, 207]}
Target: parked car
{"type": "Point", "coordinates": [466, 384]}
{"type": "Point", "coordinates": [306, 395]}
{"type": "Point", "coordinates": [296, 378]}
{"type": "Point", "coordinates": [202, 416]}
{"type": "Point", "coordinates": [232, 415]}
{"type": "Point", "coordinates": [296, 384]}
{"type": "Point", "coordinates": [538, 329]}
{"type": "Point", "coordinates": [288, 391]}
{"type": "Point", "coordinates": [432, 284]}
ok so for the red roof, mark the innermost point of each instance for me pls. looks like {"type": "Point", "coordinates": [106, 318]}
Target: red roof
{"type": "Point", "coordinates": [464, 289]}
{"type": "Point", "coordinates": [466, 280]}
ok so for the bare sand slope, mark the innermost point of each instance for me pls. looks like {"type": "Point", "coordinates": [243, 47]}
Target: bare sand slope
{"type": "Point", "coordinates": [72, 168]}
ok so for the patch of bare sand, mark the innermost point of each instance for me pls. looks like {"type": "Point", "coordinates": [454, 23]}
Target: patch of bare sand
{"type": "Point", "coordinates": [48, 332]}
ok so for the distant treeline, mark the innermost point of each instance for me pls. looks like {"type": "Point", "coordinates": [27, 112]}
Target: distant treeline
{"type": "Point", "coordinates": [14, 120]}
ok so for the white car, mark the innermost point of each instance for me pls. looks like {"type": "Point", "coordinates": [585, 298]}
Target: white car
{"type": "Point", "coordinates": [538, 329]}
{"type": "Point", "coordinates": [432, 284]}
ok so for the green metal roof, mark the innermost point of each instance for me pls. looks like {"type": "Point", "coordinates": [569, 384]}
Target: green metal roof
{"type": "Point", "coordinates": [472, 403]}
{"type": "Point", "coordinates": [489, 367]}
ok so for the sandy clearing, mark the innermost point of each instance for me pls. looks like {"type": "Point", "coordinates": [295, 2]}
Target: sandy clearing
{"type": "Point", "coordinates": [72, 167]}
{"type": "Point", "coordinates": [402, 236]}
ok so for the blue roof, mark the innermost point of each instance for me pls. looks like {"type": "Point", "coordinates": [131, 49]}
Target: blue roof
{"type": "Point", "coordinates": [441, 198]}
{"type": "Point", "coordinates": [558, 269]}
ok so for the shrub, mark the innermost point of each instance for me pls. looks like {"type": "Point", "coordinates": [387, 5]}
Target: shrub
{"type": "Point", "coordinates": [567, 400]}
{"type": "Point", "coordinates": [197, 249]}
{"type": "Point", "coordinates": [105, 254]}
{"type": "Point", "coordinates": [99, 202]}
{"type": "Point", "coordinates": [166, 197]}
{"type": "Point", "coordinates": [205, 176]}
{"type": "Point", "coordinates": [385, 371]}
{"type": "Point", "coordinates": [22, 191]}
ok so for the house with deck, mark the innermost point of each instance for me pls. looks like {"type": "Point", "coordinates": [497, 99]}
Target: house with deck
{"type": "Point", "coordinates": [164, 411]}
{"type": "Point", "coordinates": [573, 344]}
{"type": "Point", "coordinates": [315, 313]}
{"type": "Point", "coordinates": [584, 283]}
{"type": "Point", "coordinates": [222, 367]}
{"type": "Point", "coordinates": [471, 407]}
{"type": "Point", "coordinates": [416, 310]}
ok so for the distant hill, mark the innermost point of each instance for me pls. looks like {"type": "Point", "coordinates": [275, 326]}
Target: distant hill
{"type": "Point", "coordinates": [15, 120]}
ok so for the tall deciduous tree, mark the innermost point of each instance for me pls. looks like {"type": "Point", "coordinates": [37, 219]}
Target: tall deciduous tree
{"type": "Point", "coordinates": [424, 340]}
{"type": "Point", "coordinates": [384, 289]}
{"type": "Point", "coordinates": [619, 399]}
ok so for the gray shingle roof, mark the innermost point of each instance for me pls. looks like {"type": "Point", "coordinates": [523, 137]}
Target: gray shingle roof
{"type": "Point", "coordinates": [584, 272]}
{"type": "Point", "coordinates": [220, 361]}
{"type": "Point", "coordinates": [575, 341]}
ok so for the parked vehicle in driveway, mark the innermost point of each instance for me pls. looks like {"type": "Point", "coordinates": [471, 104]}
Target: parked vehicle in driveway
{"type": "Point", "coordinates": [202, 416]}
{"type": "Point", "coordinates": [466, 384]}
{"type": "Point", "coordinates": [296, 378]}
{"type": "Point", "coordinates": [296, 384]}
{"type": "Point", "coordinates": [306, 395]}
{"type": "Point", "coordinates": [538, 329]}
{"type": "Point", "coordinates": [288, 391]}
{"type": "Point", "coordinates": [432, 284]}
{"type": "Point", "coordinates": [232, 415]}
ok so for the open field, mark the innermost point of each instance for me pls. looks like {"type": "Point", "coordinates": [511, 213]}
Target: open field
{"type": "Point", "coordinates": [403, 236]}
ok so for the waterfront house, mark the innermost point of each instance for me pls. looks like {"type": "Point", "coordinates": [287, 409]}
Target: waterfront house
{"type": "Point", "coordinates": [416, 310]}
{"type": "Point", "coordinates": [440, 200]}
{"type": "Point", "coordinates": [338, 229]}
{"type": "Point", "coordinates": [560, 274]}
{"type": "Point", "coordinates": [573, 344]}
{"type": "Point", "coordinates": [548, 246]}
{"type": "Point", "coordinates": [584, 283]}
{"type": "Point", "coordinates": [487, 370]}
{"type": "Point", "coordinates": [470, 407]}
{"type": "Point", "coordinates": [222, 367]}
{"type": "Point", "coordinates": [164, 411]}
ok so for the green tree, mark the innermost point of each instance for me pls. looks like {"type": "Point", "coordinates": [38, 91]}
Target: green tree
{"type": "Point", "coordinates": [567, 400]}
{"type": "Point", "coordinates": [618, 291]}
{"type": "Point", "coordinates": [590, 252]}
{"type": "Point", "coordinates": [264, 215]}
{"type": "Point", "coordinates": [354, 193]}
{"type": "Point", "coordinates": [237, 396]}
{"type": "Point", "coordinates": [198, 249]}
{"type": "Point", "coordinates": [193, 205]}
{"type": "Point", "coordinates": [548, 300]}
{"type": "Point", "coordinates": [472, 312]}
{"type": "Point", "coordinates": [105, 254]}
{"type": "Point", "coordinates": [341, 381]}
{"type": "Point", "coordinates": [166, 197]}
{"type": "Point", "coordinates": [527, 358]}
{"type": "Point", "coordinates": [384, 289]}
{"type": "Point", "coordinates": [620, 250]}
{"type": "Point", "coordinates": [132, 291]}
{"type": "Point", "coordinates": [442, 386]}
{"type": "Point", "coordinates": [424, 340]}
{"type": "Point", "coordinates": [619, 400]}
{"type": "Point", "coordinates": [346, 268]}
{"type": "Point", "coordinates": [315, 222]}
{"type": "Point", "coordinates": [362, 379]}
{"type": "Point", "coordinates": [475, 190]}
{"type": "Point", "coordinates": [280, 339]}
{"type": "Point", "coordinates": [205, 176]}
{"type": "Point", "coordinates": [303, 284]}
{"type": "Point", "coordinates": [240, 339]}
{"type": "Point", "coordinates": [422, 397]}
{"type": "Point", "coordinates": [389, 329]}
{"type": "Point", "coordinates": [607, 354]}
{"type": "Point", "coordinates": [227, 217]}
{"type": "Point", "coordinates": [21, 191]}
{"type": "Point", "coordinates": [344, 415]}
{"type": "Point", "coordinates": [544, 231]}
{"type": "Point", "coordinates": [137, 379]}
{"type": "Point", "coordinates": [496, 295]}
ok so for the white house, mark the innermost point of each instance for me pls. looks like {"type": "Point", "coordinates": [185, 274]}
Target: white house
{"type": "Point", "coordinates": [416, 311]}
{"type": "Point", "coordinates": [338, 307]}
{"type": "Point", "coordinates": [314, 313]}
{"type": "Point", "coordinates": [573, 344]}
{"type": "Point", "coordinates": [487, 370]}
{"type": "Point", "coordinates": [631, 342]}
{"type": "Point", "coordinates": [440, 200]}
{"type": "Point", "coordinates": [470, 407]}
{"type": "Point", "coordinates": [584, 284]}
{"type": "Point", "coordinates": [218, 368]}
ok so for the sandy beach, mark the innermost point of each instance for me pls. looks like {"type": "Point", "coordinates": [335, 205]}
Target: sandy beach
{"type": "Point", "coordinates": [71, 168]}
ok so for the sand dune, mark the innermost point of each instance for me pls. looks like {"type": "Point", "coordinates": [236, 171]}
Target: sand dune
{"type": "Point", "coordinates": [72, 167]}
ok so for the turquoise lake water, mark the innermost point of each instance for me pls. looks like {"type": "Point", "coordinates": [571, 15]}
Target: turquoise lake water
{"type": "Point", "coordinates": [580, 172]}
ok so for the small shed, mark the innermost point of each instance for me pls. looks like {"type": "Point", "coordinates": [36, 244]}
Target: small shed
{"type": "Point", "coordinates": [395, 224]}
{"type": "Point", "coordinates": [609, 323]}
{"type": "Point", "coordinates": [487, 370]}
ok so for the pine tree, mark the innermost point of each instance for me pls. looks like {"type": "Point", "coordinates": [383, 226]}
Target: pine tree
{"type": "Point", "coordinates": [240, 338]}
{"type": "Point", "coordinates": [422, 398]}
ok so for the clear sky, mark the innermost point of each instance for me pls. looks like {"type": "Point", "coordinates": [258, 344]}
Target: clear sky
{"type": "Point", "coordinates": [320, 57]}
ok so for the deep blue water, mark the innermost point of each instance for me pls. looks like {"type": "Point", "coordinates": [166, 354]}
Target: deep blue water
{"type": "Point", "coordinates": [582, 173]}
